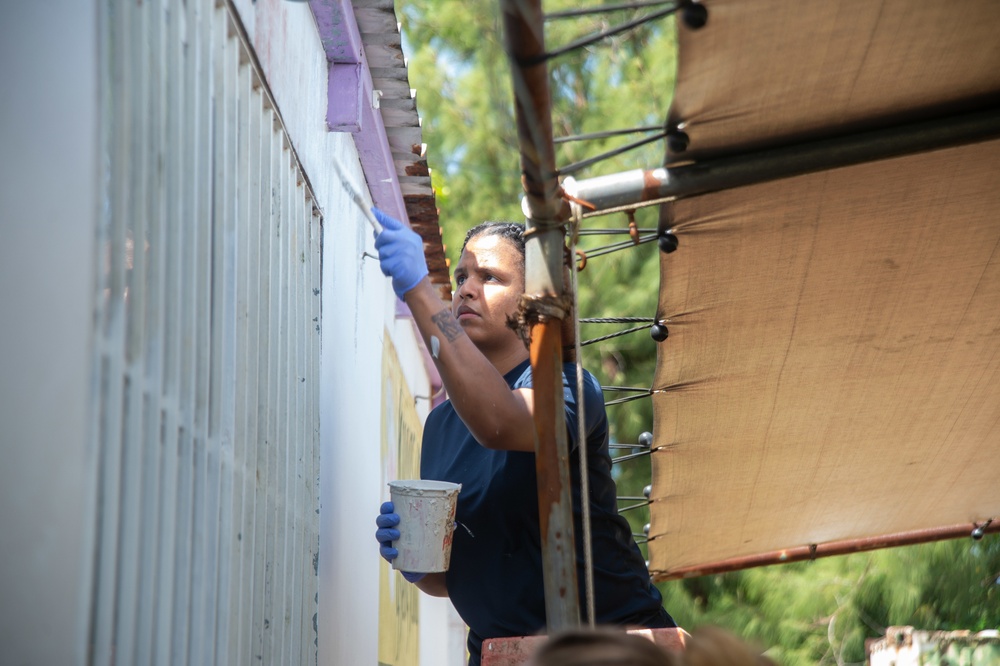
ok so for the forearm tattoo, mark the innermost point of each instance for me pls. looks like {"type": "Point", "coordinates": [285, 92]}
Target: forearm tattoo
{"type": "Point", "coordinates": [447, 324]}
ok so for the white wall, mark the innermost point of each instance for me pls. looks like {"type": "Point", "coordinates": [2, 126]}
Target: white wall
{"type": "Point", "coordinates": [48, 211]}
{"type": "Point", "coordinates": [354, 314]}
{"type": "Point", "coordinates": [50, 175]}
{"type": "Point", "coordinates": [358, 307]}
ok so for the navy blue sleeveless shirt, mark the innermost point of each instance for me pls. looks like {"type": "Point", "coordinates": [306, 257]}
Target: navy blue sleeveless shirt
{"type": "Point", "coordinates": [495, 576]}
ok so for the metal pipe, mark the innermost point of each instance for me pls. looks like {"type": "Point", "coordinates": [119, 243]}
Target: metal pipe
{"type": "Point", "coordinates": [814, 551]}
{"type": "Point", "coordinates": [641, 187]}
{"type": "Point", "coordinates": [545, 211]}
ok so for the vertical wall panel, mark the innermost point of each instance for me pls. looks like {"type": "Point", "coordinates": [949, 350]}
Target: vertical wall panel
{"type": "Point", "coordinates": [207, 350]}
{"type": "Point", "coordinates": [226, 343]}
{"type": "Point", "coordinates": [207, 442]}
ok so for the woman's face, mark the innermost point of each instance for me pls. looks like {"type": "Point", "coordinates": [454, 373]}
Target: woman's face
{"type": "Point", "coordinates": [489, 281]}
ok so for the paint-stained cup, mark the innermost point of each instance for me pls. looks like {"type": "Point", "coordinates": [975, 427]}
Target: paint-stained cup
{"type": "Point", "coordinates": [426, 512]}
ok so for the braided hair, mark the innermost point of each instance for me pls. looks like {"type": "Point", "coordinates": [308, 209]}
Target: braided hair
{"type": "Point", "coordinates": [512, 231]}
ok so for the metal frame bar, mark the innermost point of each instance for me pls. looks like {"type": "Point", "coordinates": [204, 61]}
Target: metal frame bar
{"type": "Point", "coordinates": [632, 189]}
{"type": "Point", "coordinates": [814, 551]}
{"type": "Point", "coordinates": [545, 211]}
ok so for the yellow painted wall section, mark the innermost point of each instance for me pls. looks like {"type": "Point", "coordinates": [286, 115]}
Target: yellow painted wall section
{"type": "Point", "coordinates": [398, 611]}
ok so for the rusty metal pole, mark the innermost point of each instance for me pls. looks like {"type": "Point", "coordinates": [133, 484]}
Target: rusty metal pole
{"type": "Point", "coordinates": [834, 548]}
{"type": "Point", "coordinates": [544, 306]}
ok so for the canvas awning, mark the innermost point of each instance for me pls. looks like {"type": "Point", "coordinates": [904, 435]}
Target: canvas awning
{"type": "Point", "coordinates": [832, 373]}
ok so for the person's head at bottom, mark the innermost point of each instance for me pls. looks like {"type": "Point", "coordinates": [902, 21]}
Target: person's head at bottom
{"type": "Point", "coordinates": [714, 646]}
{"type": "Point", "coordinates": [601, 647]}
{"type": "Point", "coordinates": [707, 646]}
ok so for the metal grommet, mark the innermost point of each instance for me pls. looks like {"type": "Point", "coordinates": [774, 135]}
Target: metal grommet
{"type": "Point", "coordinates": [677, 141]}
{"type": "Point", "coordinates": [667, 242]}
{"type": "Point", "coordinates": [694, 15]}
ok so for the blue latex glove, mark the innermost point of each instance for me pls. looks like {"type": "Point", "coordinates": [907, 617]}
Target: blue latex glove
{"type": "Point", "coordinates": [386, 533]}
{"type": "Point", "coordinates": [400, 254]}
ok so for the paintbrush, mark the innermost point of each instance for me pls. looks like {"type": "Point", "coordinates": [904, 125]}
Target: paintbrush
{"type": "Point", "coordinates": [357, 199]}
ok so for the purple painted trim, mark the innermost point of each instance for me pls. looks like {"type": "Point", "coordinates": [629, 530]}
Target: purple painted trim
{"type": "Point", "coordinates": [346, 90]}
{"type": "Point", "coordinates": [349, 108]}
{"type": "Point", "coordinates": [352, 111]}
{"type": "Point", "coordinates": [376, 161]}
{"type": "Point", "coordinates": [338, 31]}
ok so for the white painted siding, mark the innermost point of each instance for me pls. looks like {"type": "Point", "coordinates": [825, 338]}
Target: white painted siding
{"type": "Point", "coordinates": [207, 353]}
{"type": "Point", "coordinates": [175, 232]}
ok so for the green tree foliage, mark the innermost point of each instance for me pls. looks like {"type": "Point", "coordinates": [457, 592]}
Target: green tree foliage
{"type": "Point", "coordinates": [458, 66]}
{"type": "Point", "coordinates": [808, 613]}
{"type": "Point", "coordinates": [822, 612]}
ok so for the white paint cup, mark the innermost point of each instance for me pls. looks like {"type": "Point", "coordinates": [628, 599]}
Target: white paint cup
{"type": "Point", "coordinates": [426, 512]}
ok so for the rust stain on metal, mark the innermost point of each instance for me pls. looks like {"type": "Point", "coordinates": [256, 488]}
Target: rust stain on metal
{"type": "Point", "coordinates": [650, 186]}
{"type": "Point", "coordinates": [543, 336]}
{"type": "Point", "coordinates": [538, 309]}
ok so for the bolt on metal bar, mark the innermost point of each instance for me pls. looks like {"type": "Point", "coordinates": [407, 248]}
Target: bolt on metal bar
{"type": "Point", "coordinates": [639, 187]}
{"type": "Point", "coordinates": [610, 32]}
{"type": "Point", "coordinates": [607, 134]}
{"type": "Point", "coordinates": [545, 211]}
